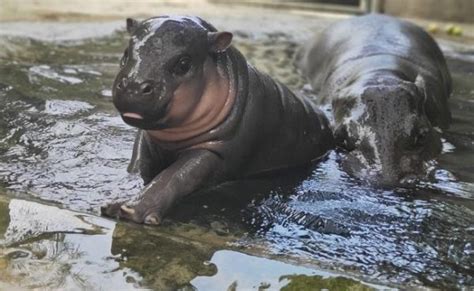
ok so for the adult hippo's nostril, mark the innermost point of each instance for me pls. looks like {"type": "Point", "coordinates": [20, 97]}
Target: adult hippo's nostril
{"type": "Point", "coordinates": [408, 180]}
{"type": "Point", "coordinates": [146, 88]}
{"type": "Point", "coordinates": [420, 137]}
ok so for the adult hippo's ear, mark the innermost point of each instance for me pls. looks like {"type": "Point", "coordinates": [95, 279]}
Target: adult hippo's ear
{"type": "Point", "coordinates": [435, 107]}
{"type": "Point", "coordinates": [219, 41]}
{"type": "Point", "coordinates": [342, 138]}
{"type": "Point", "coordinates": [132, 25]}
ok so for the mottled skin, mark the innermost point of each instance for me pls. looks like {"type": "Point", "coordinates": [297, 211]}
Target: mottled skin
{"type": "Point", "coordinates": [205, 115]}
{"type": "Point", "coordinates": [388, 84]}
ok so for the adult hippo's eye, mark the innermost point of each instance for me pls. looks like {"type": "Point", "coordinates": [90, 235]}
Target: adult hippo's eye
{"type": "Point", "coordinates": [182, 66]}
{"type": "Point", "coordinates": [420, 138]}
{"type": "Point", "coordinates": [124, 59]}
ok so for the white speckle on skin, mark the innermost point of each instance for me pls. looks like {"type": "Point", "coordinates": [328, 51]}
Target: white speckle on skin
{"type": "Point", "coordinates": [153, 25]}
{"type": "Point", "coordinates": [136, 52]}
{"type": "Point", "coordinates": [359, 108]}
{"type": "Point", "coordinates": [356, 113]}
{"type": "Point", "coordinates": [363, 132]}
{"type": "Point", "coordinates": [366, 133]}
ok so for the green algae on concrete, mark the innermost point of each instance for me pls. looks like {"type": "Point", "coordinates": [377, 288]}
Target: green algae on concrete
{"type": "Point", "coordinates": [4, 218]}
{"type": "Point", "coordinates": [309, 283]}
{"type": "Point", "coordinates": [167, 257]}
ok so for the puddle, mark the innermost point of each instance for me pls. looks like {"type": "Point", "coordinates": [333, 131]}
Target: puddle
{"type": "Point", "coordinates": [47, 247]}
{"type": "Point", "coordinates": [251, 273]}
{"type": "Point", "coordinates": [43, 246]}
{"type": "Point", "coordinates": [62, 142]}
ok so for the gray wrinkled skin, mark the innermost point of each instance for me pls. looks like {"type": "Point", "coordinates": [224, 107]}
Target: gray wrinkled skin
{"type": "Point", "coordinates": [388, 84]}
{"type": "Point", "coordinates": [268, 127]}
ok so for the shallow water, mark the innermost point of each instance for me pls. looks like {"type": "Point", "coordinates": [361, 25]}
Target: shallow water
{"type": "Point", "coordinates": [62, 142]}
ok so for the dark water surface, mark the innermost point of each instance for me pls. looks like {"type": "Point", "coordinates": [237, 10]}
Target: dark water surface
{"type": "Point", "coordinates": [61, 142]}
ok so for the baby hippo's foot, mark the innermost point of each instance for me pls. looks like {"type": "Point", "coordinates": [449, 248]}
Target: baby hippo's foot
{"type": "Point", "coordinates": [137, 213]}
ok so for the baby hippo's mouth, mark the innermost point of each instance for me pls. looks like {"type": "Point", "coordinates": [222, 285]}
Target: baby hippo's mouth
{"type": "Point", "coordinates": [132, 115]}
{"type": "Point", "coordinates": [133, 119]}
{"type": "Point", "coordinates": [140, 121]}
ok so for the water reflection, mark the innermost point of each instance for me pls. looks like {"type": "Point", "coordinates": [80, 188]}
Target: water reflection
{"type": "Point", "coordinates": [46, 247]}
{"type": "Point", "coordinates": [392, 236]}
{"type": "Point", "coordinates": [243, 272]}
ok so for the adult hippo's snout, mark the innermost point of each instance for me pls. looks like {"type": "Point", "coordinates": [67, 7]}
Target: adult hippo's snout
{"type": "Point", "coordinates": [387, 136]}
{"type": "Point", "coordinates": [392, 164]}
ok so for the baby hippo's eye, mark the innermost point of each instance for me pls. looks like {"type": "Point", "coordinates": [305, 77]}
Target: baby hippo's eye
{"type": "Point", "coordinates": [182, 66]}
{"type": "Point", "coordinates": [124, 59]}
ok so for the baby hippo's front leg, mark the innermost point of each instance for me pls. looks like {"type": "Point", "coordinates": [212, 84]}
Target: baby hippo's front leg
{"type": "Point", "coordinates": [193, 170]}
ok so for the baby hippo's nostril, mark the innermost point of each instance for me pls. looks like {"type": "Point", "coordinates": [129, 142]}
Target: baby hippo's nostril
{"type": "Point", "coordinates": [122, 84]}
{"type": "Point", "coordinates": [146, 88]}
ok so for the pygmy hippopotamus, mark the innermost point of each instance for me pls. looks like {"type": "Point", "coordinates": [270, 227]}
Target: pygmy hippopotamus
{"type": "Point", "coordinates": [204, 115]}
{"type": "Point", "coordinates": [388, 85]}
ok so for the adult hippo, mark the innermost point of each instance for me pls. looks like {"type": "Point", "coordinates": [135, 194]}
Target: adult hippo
{"type": "Point", "coordinates": [388, 84]}
{"type": "Point", "coordinates": [205, 115]}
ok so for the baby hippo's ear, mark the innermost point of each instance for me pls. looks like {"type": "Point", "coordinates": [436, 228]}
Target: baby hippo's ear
{"type": "Point", "coordinates": [132, 24]}
{"type": "Point", "coordinates": [219, 41]}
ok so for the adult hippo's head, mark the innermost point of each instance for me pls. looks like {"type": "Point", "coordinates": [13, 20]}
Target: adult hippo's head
{"type": "Point", "coordinates": [387, 133]}
{"type": "Point", "coordinates": [167, 68]}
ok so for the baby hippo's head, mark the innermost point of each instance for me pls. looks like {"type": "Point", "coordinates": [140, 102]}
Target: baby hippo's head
{"type": "Point", "coordinates": [163, 71]}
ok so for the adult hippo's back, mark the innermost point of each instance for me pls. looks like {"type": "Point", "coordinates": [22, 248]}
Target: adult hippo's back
{"type": "Point", "coordinates": [388, 84]}
{"type": "Point", "coordinates": [205, 115]}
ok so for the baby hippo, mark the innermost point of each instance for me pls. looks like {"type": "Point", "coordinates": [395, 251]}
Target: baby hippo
{"type": "Point", "coordinates": [388, 84]}
{"type": "Point", "coordinates": [204, 115]}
